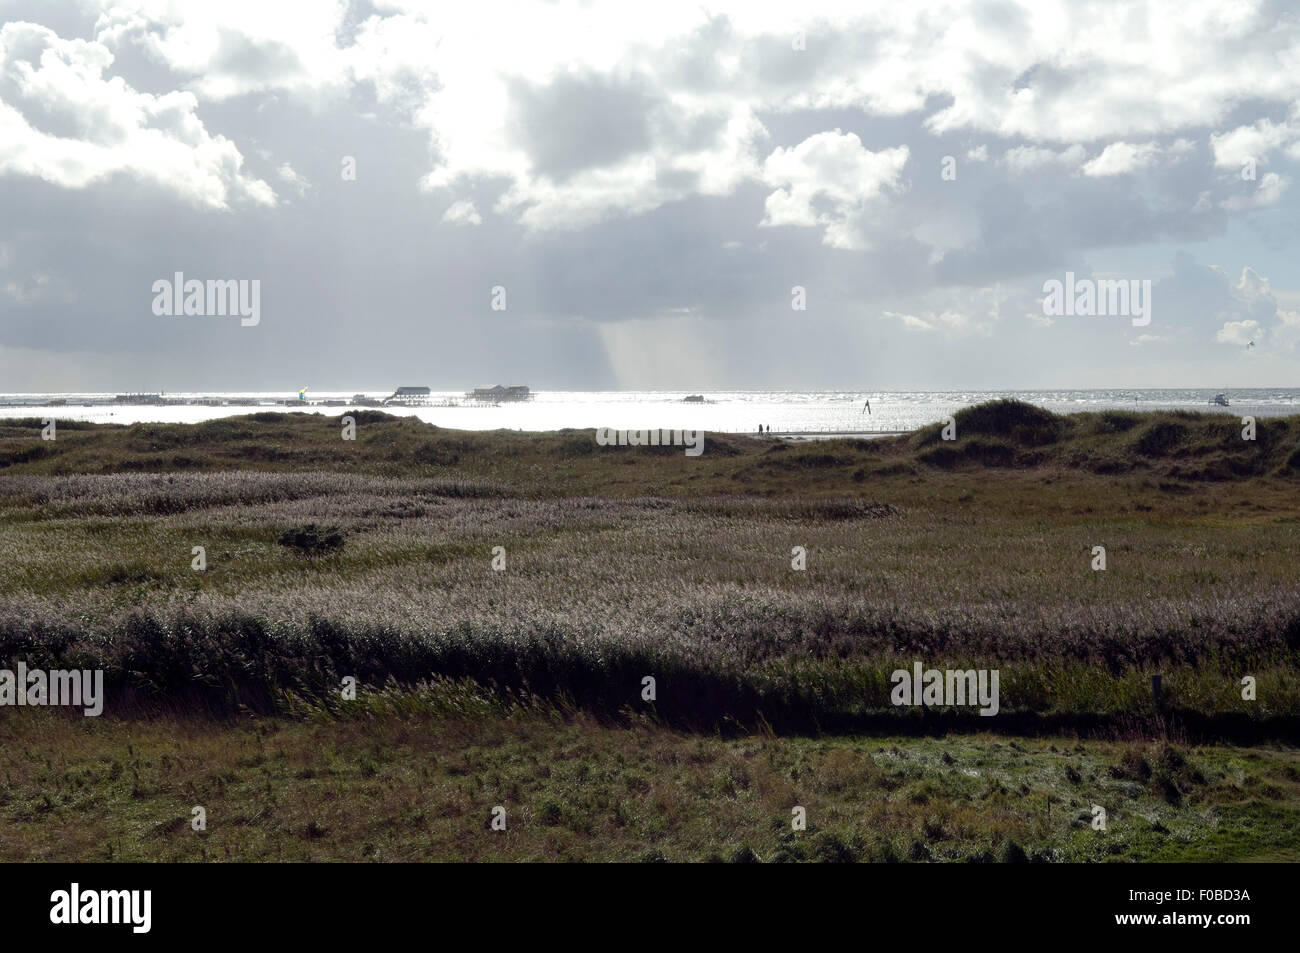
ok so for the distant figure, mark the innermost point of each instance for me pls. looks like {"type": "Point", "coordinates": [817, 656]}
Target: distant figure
{"type": "Point", "coordinates": [867, 409]}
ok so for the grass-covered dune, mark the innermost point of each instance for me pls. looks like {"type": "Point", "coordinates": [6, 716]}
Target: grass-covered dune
{"type": "Point", "coordinates": [1179, 445]}
{"type": "Point", "coordinates": [1173, 445]}
{"type": "Point", "coordinates": [627, 562]}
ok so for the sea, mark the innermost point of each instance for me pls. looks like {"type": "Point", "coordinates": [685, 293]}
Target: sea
{"type": "Point", "coordinates": [804, 413]}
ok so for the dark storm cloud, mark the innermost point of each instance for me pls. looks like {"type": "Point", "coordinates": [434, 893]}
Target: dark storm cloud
{"type": "Point", "coordinates": [579, 121]}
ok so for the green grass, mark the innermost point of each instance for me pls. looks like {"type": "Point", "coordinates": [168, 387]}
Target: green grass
{"type": "Point", "coordinates": [430, 766]}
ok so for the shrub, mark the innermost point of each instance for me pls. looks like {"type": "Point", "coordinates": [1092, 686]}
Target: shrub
{"type": "Point", "coordinates": [1132, 767]}
{"type": "Point", "coordinates": [374, 417]}
{"type": "Point", "coordinates": [1160, 438]}
{"type": "Point", "coordinates": [550, 813]}
{"type": "Point", "coordinates": [313, 540]}
{"type": "Point", "coordinates": [435, 455]}
{"type": "Point", "coordinates": [980, 451]}
{"type": "Point", "coordinates": [1013, 853]}
{"type": "Point", "coordinates": [1023, 423]}
{"type": "Point", "coordinates": [830, 848]}
{"type": "Point", "coordinates": [1116, 421]}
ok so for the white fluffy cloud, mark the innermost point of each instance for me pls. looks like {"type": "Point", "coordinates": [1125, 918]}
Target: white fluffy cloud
{"type": "Point", "coordinates": [1252, 142]}
{"type": "Point", "coordinates": [462, 213]}
{"type": "Point", "coordinates": [65, 120]}
{"type": "Point", "coordinates": [1287, 332]}
{"type": "Point", "coordinates": [1049, 73]}
{"type": "Point", "coordinates": [827, 179]}
{"type": "Point", "coordinates": [1269, 192]}
{"type": "Point", "coordinates": [686, 89]}
{"type": "Point", "coordinates": [290, 176]}
{"type": "Point", "coordinates": [1034, 158]}
{"type": "Point", "coordinates": [227, 49]}
{"type": "Point", "coordinates": [1252, 313]}
{"type": "Point", "coordinates": [958, 312]}
{"type": "Point", "coordinates": [1120, 158]}
{"type": "Point", "coordinates": [932, 321]}
{"type": "Point", "coordinates": [1240, 333]}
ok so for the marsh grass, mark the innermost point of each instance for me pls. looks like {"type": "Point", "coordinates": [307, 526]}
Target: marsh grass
{"type": "Point", "coordinates": [624, 564]}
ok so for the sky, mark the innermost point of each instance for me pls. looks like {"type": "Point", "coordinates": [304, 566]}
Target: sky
{"type": "Point", "coordinates": [602, 196]}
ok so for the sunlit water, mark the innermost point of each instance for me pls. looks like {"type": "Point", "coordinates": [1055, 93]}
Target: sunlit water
{"type": "Point", "coordinates": [725, 411]}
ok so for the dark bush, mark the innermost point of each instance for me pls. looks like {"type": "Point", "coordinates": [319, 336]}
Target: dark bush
{"type": "Point", "coordinates": [1013, 853]}
{"type": "Point", "coordinates": [1160, 438]}
{"type": "Point", "coordinates": [435, 455]}
{"type": "Point", "coordinates": [1132, 767]}
{"type": "Point", "coordinates": [1023, 423]}
{"type": "Point", "coordinates": [374, 417]}
{"type": "Point", "coordinates": [313, 540]}
{"type": "Point", "coordinates": [830, 848]}
{"type": "Point", "coordinates": [1115, 421]}
{"type": "Point", "coordinates": [980, 451]}
{"type": "Point", "coordinates": [25, 455]}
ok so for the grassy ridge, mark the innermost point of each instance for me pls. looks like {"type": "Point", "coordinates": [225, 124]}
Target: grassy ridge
{"type": "Point", "coordinates": [626, 562]}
